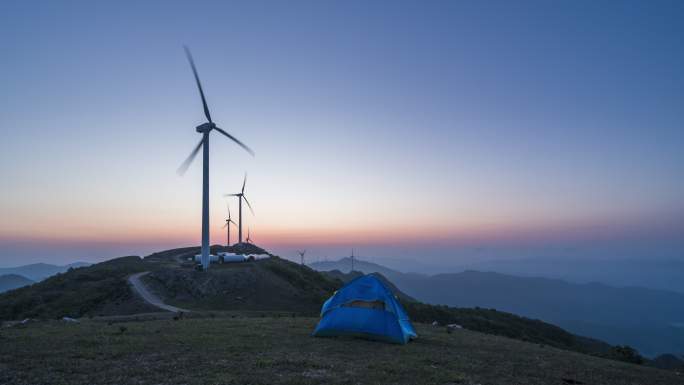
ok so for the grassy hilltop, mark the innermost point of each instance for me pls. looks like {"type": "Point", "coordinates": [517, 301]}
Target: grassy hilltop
{"type": "Point", "coordinates": [280, 350]}
{"type": "Point", "coordinates": [270, 284]}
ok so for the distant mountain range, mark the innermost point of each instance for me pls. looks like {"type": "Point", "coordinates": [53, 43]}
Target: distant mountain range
{"type": "Point", "coordinates": [13, 281]}
{"type": "Point", "coordinates": [656, 273]}
{"type": "Point", "coordinates": [39, 271]}
{"type": "Point", "coordinates": [650, 320]}
{"type": "Point", "coordinates": [344, 265]}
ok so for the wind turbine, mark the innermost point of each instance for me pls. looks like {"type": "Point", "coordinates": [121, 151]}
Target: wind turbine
{"type": "Point", "coordinates": [205, 129]}
{"type": "Point", "coordinates": [241, 196]}
{"type": "Point", "coordinates": [352, 261]}
{"type": "Point", "coordinates": [301, 254]}
{"type": "Point", "coordinates": [227, 225]}
{"type": "Point", "coordinates": [249, 240]}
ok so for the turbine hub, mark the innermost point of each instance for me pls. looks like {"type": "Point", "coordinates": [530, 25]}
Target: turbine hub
{"type": "Point", "coordinates": [205, 127]}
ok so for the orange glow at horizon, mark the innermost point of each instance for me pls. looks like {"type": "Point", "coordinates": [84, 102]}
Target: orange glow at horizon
{"type": "Point", "coordinates": [324, 235]}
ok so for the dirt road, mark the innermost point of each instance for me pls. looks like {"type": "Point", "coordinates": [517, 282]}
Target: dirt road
{"type": "Point", "coordinates": [148, 296]}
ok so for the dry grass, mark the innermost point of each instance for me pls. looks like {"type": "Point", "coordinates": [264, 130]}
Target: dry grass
{"type": "Point", "coordinates": [279, 350]}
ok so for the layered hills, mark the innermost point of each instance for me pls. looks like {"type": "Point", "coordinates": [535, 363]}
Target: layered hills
{"type": "Point", "coordinates": [39, 271]}
{"type": "Point", "coordinates": [264, 285]}
{"type": "Point", "coordinates": [13, 281]}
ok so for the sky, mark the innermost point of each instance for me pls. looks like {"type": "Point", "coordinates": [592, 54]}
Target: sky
{"type": "Point", "coordinates": [441, 131]}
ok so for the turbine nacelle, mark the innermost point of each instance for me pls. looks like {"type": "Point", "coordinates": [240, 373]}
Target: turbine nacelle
{"type": "Point", "coordinates": [205, 127]}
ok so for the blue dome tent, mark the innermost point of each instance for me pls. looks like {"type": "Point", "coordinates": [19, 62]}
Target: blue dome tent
{"type": "Point", "coordinates": [366, 308]}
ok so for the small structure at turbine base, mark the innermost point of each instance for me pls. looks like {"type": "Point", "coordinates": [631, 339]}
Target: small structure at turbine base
{"type": "Point", "coordinates": [226, 257]}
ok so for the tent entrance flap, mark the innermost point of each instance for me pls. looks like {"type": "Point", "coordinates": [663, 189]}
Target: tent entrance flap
{"type": "Point", "coordinates": [377, 305]}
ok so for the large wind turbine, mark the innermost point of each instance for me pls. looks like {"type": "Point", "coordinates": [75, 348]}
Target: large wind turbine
{"type": "Point", "coordinates": [241, 196]}
{"type": "Point", "coordinates": [301, 255]}
{"type": "Point", "coordinates": [205, 129]}
{"type": "Point", "coordinates": [227, 226]}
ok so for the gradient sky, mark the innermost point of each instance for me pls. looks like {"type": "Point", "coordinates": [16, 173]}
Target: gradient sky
{"type": "Point", "coordinates": [445, 128]}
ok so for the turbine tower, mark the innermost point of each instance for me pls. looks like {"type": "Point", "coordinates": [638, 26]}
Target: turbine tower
{"type": "Point", "coordinates": [227, 226]}
{"type": "Point", "coordinates": [301, 255]}
{"type": "Point", "coordinates": [205, 129]}
{"type": "Point", "coordinates": [241, 196]}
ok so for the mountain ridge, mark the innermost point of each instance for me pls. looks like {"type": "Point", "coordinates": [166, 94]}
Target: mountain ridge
{"type": "Point", "coordinates": [40, 271]}
{"type": "Point", "coordinates": [13, 281]}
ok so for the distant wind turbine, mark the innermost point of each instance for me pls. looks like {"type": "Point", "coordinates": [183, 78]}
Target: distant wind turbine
{"type": "Point", "coordinates": [352, 261]}
{"type": "Point", "coordinates": [301, 255]}
{"type": "Point", "coordinates": [205, 129]}
{"type": "Point", "coordinates": [227, 226]}
{"type": "Point", "coordinates": [241, 196]}
{"type": "Point", "coordinates": [249, 239]}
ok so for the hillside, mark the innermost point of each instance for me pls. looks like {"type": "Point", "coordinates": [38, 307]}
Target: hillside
{"type": "Point", "coordinates": [644, 318]}
{"type": "Point", "coordinates": [280, 350]}
{"type": "Point", "coordinates": [100, 289]}
{"type": "Point", "coordinates": [267, 284]}
{"type": "Point", "coordinates": [13, 281]}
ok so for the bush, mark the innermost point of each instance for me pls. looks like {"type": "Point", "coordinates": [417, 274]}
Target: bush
{"type": "Point", "coordinates": [626, 354]}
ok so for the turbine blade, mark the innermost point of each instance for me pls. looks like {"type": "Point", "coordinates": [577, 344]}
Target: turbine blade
{"type": "Point", "coordinates": [224, 226]}
{"type": "Point", "coordinates": [244, 182]}
{"type": "Point", "coordinates": [234, 139]}
{"type": "Point", "coordinates": [248, 205]}
{"type": "Point", "coordinates": [184, 167]}
{"type": "Point", "coordinates": [199, 85]}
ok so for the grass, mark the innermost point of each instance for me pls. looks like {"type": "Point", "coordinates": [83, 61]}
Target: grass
{"type": "Point", "coordinates": [280, 350]}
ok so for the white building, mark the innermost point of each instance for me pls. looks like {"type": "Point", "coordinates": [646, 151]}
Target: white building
{"type": "Point", "coordinates": [230, 257]}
